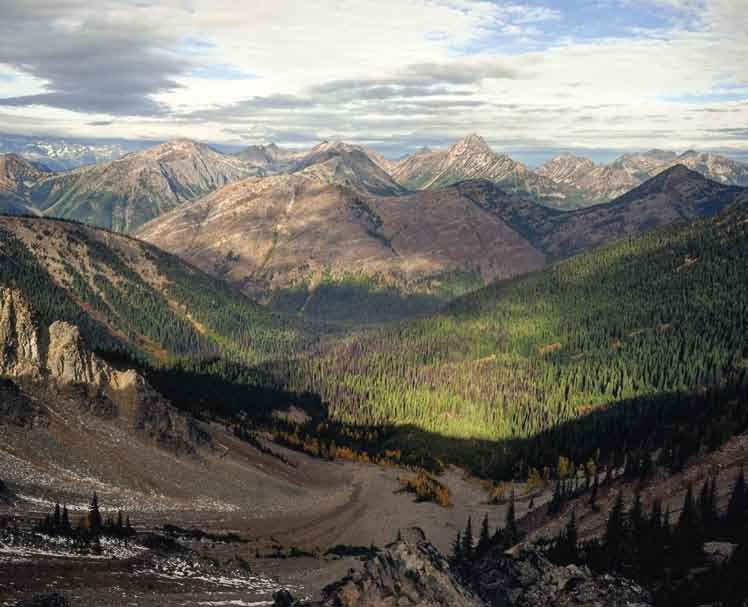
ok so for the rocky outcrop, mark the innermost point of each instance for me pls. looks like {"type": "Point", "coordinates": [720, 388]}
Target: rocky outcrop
{"type": "Point", "coordinates": [412, 572]}
{"type": "Point", "coordinates": [19, 336]}
{"type": "Point", "coordinates": [408, 572]}
{"type": "Point", "coordinates": [28, 349]}
{"type": "Point", "coordinates": [70, 362]}
{"type": "Point", "coordinates": [58, 357]}
{"type": "Point", "coordinates": [529, 579]}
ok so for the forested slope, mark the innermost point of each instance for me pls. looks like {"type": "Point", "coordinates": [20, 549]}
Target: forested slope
{"type": "Point", "coordinates": [646, 335]}
{"type": "Point", "coordinates": [130, 298]}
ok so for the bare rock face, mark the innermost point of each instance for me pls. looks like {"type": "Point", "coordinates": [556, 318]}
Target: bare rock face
{"type": "Point", "coordinates": [68, 359]}
{"type": "Point", "coordinates": [408, 572]}
{"type": "Point", "coordinates": [529, 579]}
{"type": "Point", "coordinates": [19, 337]}
{"type": "Point", "coordinates": [58, 357]}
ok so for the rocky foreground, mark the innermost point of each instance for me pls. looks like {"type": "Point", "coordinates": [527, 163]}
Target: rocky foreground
{"type": "Point", "coordinates": [412, 572]}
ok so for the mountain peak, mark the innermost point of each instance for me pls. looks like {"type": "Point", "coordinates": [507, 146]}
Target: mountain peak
{"type": "Point", "coordinates": [475, 141]}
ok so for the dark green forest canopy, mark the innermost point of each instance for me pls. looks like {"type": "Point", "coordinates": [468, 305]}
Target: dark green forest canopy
{"type": "Point", "coordinates": [646, 318]}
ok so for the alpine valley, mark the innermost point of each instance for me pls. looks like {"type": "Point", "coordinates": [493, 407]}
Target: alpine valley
{"type": "Point", "coordinates": [325, 377]}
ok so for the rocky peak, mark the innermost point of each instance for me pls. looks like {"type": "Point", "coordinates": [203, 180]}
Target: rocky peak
{"type": "Point", "coordinates": [408, 572]}
{"type": "Point", "coordinates": [473, 144]}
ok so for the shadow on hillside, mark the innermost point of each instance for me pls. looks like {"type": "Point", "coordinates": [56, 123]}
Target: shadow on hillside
{"type": "Point", "coordinates": [677, 425]}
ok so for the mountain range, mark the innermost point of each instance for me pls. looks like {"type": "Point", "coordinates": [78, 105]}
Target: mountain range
{"type": "Point", "coordinates": [338, 232]}
{"type": "Point", "coordinates": [311, 235]}
{"type": "Point", "coordinates": [59, 154]}
{"type": "Point", "coordinates": [601, 183]}
{"type": "Point", "coordinates": [123, 194]}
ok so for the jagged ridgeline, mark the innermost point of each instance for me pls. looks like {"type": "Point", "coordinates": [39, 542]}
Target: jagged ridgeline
{"type": "Point", "coordinates": [130, 298]}
{"type": "Point", "coordinates": [623, 347]}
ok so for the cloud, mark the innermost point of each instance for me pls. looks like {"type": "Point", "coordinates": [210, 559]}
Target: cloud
{"type": "Point", "coordinates": [97, 60]}
{"type": "Point", "coordinates": [398, 73]}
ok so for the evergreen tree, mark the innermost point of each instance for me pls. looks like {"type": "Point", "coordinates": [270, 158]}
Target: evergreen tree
{"type": "Point", "coordinates": [614, 537]}
{"type": "Point", "coordinates": [65, 521]}
{"type": "Point", "coordinates": [737, 507]}
{"type": "Point", "coordinates": [593, 493]}
{"type": "Point", "coordinates": [688, 536]}
{"type": "Point", "coordinates": [511, 535]}
{"type": "Point", "coordinates": [468, 542]}
{"type": "Point", "coordinates": [484, 539]}
{"type": "Point", "coordinates": [57, 518]}
{"type": "Point", "coordinates": [708, 504]}
{"type": "Point", "coordinates": [457, 550]}
{"type": "Point", "coordinates": [554, 505]}
{"type": "Point", "coordinates": [94, 516]}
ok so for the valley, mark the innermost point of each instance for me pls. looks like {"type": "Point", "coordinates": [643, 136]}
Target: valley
{"type": "Point", "coordinates": [212, 413]}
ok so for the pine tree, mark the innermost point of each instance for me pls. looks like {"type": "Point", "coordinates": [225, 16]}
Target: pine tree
{"type": "Point", "coordinates": [468, 541]}
{"type": "Point", "coordinates": [120, 525]}
{"type": "Point", "coordinates": [57, 519]}
{"type": "Point", "coordinates": [555, 504]}
{"type": "Point", "coordinates": [637, 515]}
{"type": "Point", "coordinates": [708, 504]}
{"type": "Point", "coordinates": [65, 523]}
{"type": "Point", "coordinates": [614, 533]}
{"type": "Point", "coordinates": [572, 538]}
{"type": "Point", "coordinates": [511, 535]}
{"type": "Point", "coordinates": [687, 531]}
{"type": "Point", "coordinates": [484, 540]}
{"type": "Point", "coordinates": [94, 516]}
{"type": "Point", "coordinates": [457, 550]}
{"type": "Point", "coordinates": [593, 494]}
{"type": "Point", "coordinates": [737, 508]}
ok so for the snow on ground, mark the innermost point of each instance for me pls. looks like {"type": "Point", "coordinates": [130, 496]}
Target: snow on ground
{"type": "Point", "coordinates": [179, 568]}
{"type": "Point", "coordinates": [23, 546]}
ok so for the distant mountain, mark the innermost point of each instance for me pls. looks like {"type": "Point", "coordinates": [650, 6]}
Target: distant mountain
{"type": "Point", "coordinates": [17, 176]}
{"type": "Point", "coordinates": [601, 183]}
{"type": "Point", "coordinates": [354, 165]}
{"type": "Point", "coordinates": [716, 167]}
{"type": "Point", "coordinates": [312, 229]}
{"type": "Point", "coordinates": [472, 158]}
{"type": "Point", "coordinates": [271, 158]}
{"type": "Point", "coordinates": [124, 194]}
{"type": "Point", "coordinates": [64, 154]}
{"type": "Point", "coordinates": [675, 195]}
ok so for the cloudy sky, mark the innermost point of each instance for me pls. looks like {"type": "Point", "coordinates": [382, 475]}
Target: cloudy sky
{"type": "Point", "coordinates": [530, 75]}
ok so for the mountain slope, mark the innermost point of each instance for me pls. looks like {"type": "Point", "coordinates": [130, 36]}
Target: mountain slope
{"type": "Point", "coordinates": [644, 322]}
{"type": "Point", "coordinates": [304, 230]}
{"type": "Point", "coordinates": [130, 298]}
{"type": "Point", "coordinates": [676, 194]}
{"type": "Point", "coordinates": [472, 158]}
{"type": "Point", "coordinates": [16, 178]}
{"type": "Point", "coordinates": [124, 194]}
{"type": "Point", "coordinates": [292, 240]}
{"type": "Point", "coordinates": [599, 183]}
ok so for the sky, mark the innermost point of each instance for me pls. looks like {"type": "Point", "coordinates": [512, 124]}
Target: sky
{"type": "Point", "coordinates": [529, 76]}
